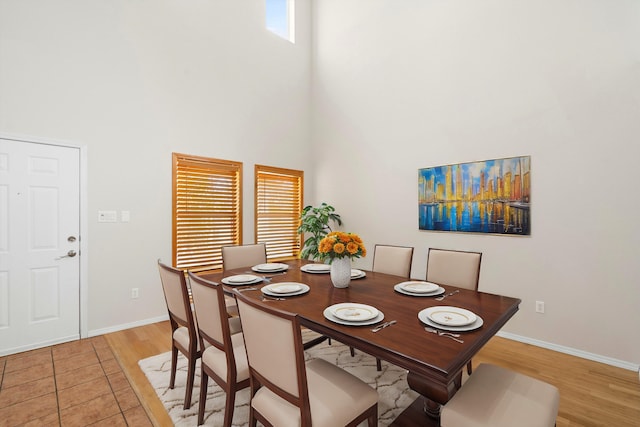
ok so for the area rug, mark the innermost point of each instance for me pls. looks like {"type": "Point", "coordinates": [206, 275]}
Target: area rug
{"type": "Point", "coordinates": [394, 394]}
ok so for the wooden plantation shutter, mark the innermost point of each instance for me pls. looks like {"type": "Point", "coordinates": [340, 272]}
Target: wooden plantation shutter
{"type": "Point", "coordinates": [207, 210]}
{"type": "Point", "coordinates": [278, 204]}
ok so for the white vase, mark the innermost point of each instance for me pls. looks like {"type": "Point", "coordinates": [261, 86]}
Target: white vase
{"type": "Point", "coordinates": [341, 272]}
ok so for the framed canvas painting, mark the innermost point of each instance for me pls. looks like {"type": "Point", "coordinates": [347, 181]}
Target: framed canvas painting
{"type": "Point", "coordinates": [490, 196]}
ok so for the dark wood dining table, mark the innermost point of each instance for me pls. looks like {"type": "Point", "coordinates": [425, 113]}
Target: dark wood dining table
{"type": "Point", "coordinates": [434, 363]}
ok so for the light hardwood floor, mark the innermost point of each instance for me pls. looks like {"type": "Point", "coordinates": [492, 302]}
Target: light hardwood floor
{"type": "Point", "coordinates": [591, 393]}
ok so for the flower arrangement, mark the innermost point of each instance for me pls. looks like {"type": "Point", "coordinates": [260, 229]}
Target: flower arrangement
{"type": "Point", "coordinates": [339, 244]}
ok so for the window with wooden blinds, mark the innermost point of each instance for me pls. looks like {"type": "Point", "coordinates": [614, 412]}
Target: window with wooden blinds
{"type": "Point", "coordinates": [207, 210]}
{"type": "Point", "coordinates": [277, 210]}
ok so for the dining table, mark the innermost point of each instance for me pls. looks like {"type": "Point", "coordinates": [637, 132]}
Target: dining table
{"type": "Point", "coordinates": [434, 362]}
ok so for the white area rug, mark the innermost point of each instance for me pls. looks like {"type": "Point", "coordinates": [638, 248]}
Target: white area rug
{"type": "Point", "coordinates": [391, 384]}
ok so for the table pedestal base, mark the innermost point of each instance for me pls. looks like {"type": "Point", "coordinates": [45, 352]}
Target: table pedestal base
{"type": "Point", "coordinates": [414, 416]}
{"type": "Point", "coordinates": [435, 394]}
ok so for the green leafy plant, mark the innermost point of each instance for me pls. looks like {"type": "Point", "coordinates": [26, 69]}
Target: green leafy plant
{"type": "Point", "coordinates": [315, 222]}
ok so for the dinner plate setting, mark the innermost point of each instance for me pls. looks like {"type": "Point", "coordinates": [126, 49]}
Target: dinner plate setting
{"type": "Point", "coordinates": [450, 318]}
{"type": "Point", "coordinates": [419, 288]}
{"type": "Point", "coordinates": [242, 279]}
{"type": "Point", "coordinates": [316, 268]}
{"type": "Point", "coordinates": [285, 289]}
{"type": "Point", "coordinates": [270, 267]}
{"type": "Point", "coordinates": [353, 314]}
{"type": "Point", "coordinates": [357, 274]}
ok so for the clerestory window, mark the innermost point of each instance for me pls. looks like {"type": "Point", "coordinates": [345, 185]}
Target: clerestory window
{"type": "Point", "coordinates": [280, 18]}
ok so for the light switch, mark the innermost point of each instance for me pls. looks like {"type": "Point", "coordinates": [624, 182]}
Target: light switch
{"type": "Point", "coordinates": [125, 216]}
{"type": "Point", "coordinates": [107, 216]}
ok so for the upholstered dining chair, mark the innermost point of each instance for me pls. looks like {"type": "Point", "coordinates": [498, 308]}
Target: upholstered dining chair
{"type": "Point", "coordinates": [285, 390]}
{"type": "Point", "coordinates": [243, 255]}
{"type": "Point", "coordinates": [497, 397]}
{"type": "Point", "coordinates": [454, 268]}
{"type": "Point", "coordinates": [184, 334]}
{"type": "Point", "coordinates": [238, 256]}
{"type": "Point", "coordinates": [391, 259]}
{"type": "Point", "coordinates": [224, 358]}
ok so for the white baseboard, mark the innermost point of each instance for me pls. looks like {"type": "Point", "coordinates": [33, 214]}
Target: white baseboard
{"type": "Point", "coordinates": [572, 351]}
{"type": "Point", "coordinates": [96, 332]}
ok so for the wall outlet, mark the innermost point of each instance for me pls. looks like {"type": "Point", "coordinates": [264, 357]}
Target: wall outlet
{"type": "Point", "coordinates": [539, 306]}
{"type": "Point", "coordinates": [134, 293]}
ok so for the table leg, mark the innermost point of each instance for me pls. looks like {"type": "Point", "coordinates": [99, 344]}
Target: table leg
{"type": "Point", "coordinates": [431, 408]}
{"type": "Point", "coordinates": [435, 393]}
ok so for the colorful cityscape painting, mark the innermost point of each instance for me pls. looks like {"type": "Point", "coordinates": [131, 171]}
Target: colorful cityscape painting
{"type": "Point", "coordinates": [490, 196]}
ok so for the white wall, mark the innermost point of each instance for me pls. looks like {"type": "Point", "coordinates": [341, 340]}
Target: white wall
{"type": "Point", "coordinates": [136, 81]}
{"type": "Point", "coordinates": [399, 86]}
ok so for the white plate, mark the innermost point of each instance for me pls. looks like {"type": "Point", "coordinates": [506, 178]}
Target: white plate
{"type": "Point", "coordinates": [438, 291]}
{"type": "Point", "coordinates": [241, 279]}
{"type": "Point", "coordinates": [316, 268]}
{"type": "Point", "coordinates": [357, 274]}
{"type": "Point", "coordinates": [418, 287]}
{"type": "Point", "coordinates": [284, 287]}
{"type": "Point", "coordinates": [270, 267]}
{"type": "Point", "coordinates": [329, 316]}
{"type": "Point", "coordinates": [450, 316]}
{"type": "Point", "coordinates": [471, 327]}
{"type": "Point", "coordinates": [267, 290]}
{"type": "Point", "coordinates": [354, 312]}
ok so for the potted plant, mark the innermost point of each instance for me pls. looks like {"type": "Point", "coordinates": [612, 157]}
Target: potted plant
{"type": "Point", "coordinates": [315, 222]}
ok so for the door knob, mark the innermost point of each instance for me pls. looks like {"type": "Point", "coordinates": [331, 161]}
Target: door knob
{"type": "Point", "coordinates": [69, 254]}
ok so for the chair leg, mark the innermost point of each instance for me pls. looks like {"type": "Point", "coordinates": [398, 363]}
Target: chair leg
{"type": "Point", "coordinates": [378, 365]}
{"type": "Point", "coordinates": [469, 367]}
{"type": "Point", "coordinates": [190, 376]}
{"type": "Point", "coordinates": [174, 362]}
{"type": "Point", "coordinates": [352, 350]}
{"type": "Point", "coordinates": [373, 419]}
{"type": "Point", "coordinates": [204, 379]}
{"type": "Point", "coordinates": [228, 410]}
{"type": "Point", "coordinates": [253, 422]}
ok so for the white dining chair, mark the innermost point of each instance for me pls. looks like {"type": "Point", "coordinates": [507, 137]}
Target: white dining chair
{"type": "Point", "coordinates": [184, 332]}
{"type": "Point", "coordinates": [390, 259]}
{"type": "Point", "coordinates": [239, 256]}
{"type": "Point", "coordinates": [286, 390]}
{"type": "Point", "coordinates": [497, 397]}
{"type": "Point", "coordinates": [454, 268]}
{"type": "Point", "coordinates": [224, 358]}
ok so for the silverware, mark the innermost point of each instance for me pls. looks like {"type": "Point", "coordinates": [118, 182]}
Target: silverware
{"type": "Point", "coordinates": [439, 332]}
{"type": "Point", "coordinates": [247, 289]}
{"type": "Point", "coordinates": [440, 298]}
{"type": "Point", "coordinates": [383, 325]}
{"type": "Point", "coordinates": [444, 334]}
{"type": "Point", "coordinates": [272, 299]}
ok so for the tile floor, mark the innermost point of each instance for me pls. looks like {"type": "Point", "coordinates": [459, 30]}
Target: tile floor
{"type": "Point", "coordinates": [73, 384]}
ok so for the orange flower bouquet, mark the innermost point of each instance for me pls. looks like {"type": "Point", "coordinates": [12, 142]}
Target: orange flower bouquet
{"type": "Point", "coordinates": [339, 244]}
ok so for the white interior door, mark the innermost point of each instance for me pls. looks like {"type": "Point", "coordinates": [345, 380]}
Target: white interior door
{"type": "Point", "coordinates": [39, 245]}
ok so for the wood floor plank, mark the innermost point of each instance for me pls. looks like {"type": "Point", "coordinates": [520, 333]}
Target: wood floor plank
{"type": "Point", "coordinates": [131, 345]}
{"type": "Point", "coordinates": [592, 394]}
